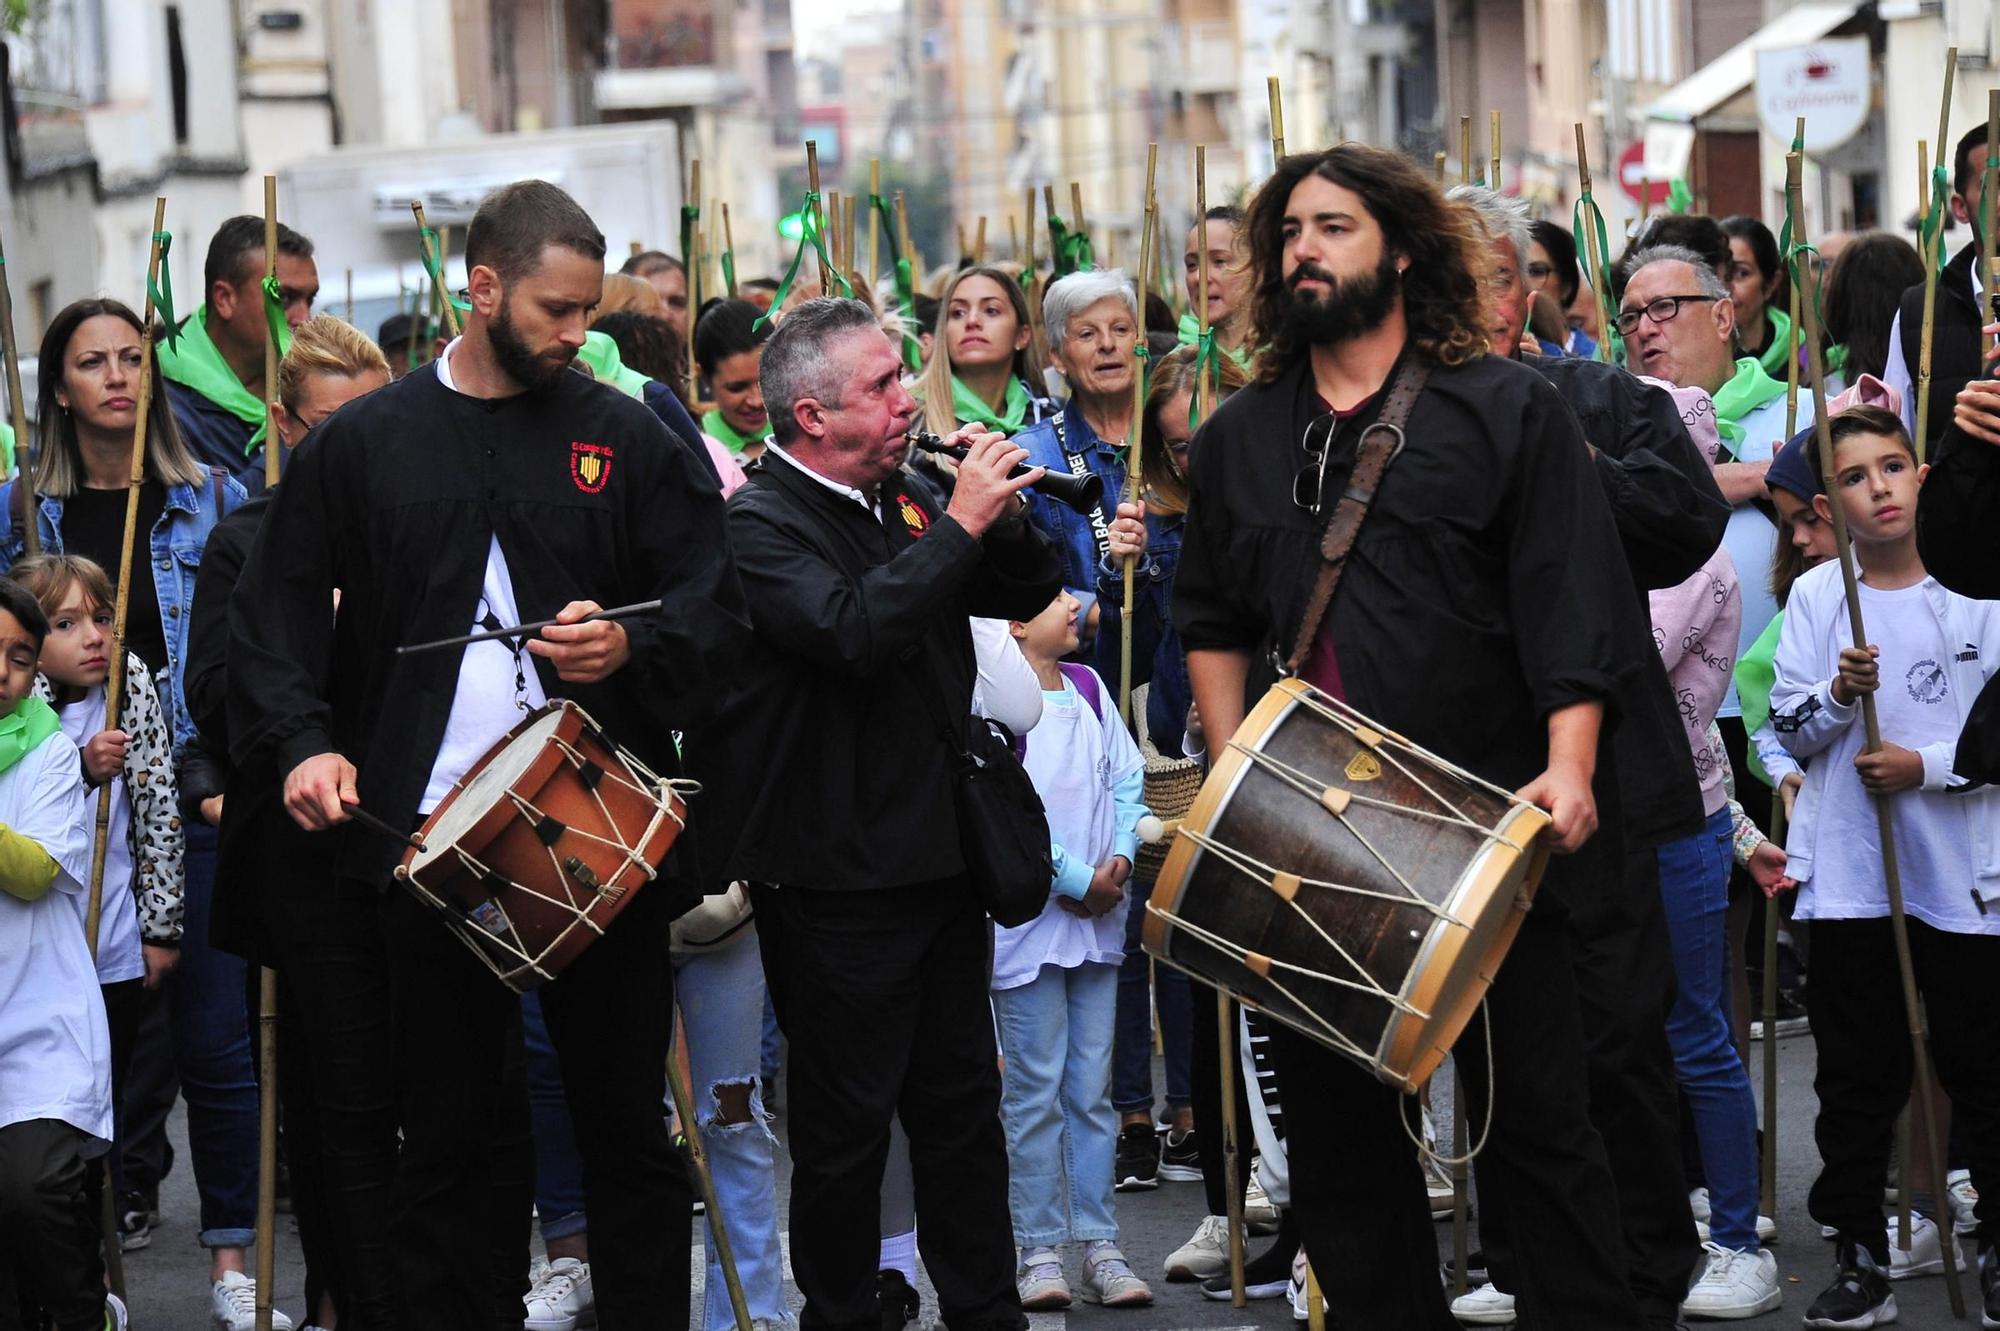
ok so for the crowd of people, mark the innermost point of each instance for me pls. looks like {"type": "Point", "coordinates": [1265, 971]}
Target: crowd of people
{"type": "Point", "coordinates": [1613, 589]}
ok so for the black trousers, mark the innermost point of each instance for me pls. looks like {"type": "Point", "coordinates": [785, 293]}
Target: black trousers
{"type": "Point", "coordinates": [338, 1095]}
{"type": "Point", "coordinates": [1358, 1191]}
{"type": "Point", "coordinates": [50, 1262]}
{"type": "Point", "coordinates": [1624, 978]}
{"type": "Point", "coordinates": [1862, 1040]}
{"type": "Point", "coordinates": [464, 1186]}
{"type": "Point", "coordinates": [1205, 1073]}
{"type": "Point", "coordinates": [882, 996]}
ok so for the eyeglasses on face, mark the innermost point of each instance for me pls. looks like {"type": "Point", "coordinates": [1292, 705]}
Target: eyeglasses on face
{"type": "Point", "coordinates": [1662, 310]}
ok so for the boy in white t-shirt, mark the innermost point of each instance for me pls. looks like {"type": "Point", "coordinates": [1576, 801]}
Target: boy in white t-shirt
{"type": "Point", "coordinates": [1055, 981]}
{"type": "Point", "coordinates": [1931, 653]}
{"type": "Point", "coordinates": [55, 1054]}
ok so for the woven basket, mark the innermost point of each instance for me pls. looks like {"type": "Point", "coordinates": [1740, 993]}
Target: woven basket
{"type": "Point", "coordinates": [1171, 785]}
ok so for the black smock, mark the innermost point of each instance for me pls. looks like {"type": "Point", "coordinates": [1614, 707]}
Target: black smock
{"type": "Point", "coordinates": [1959, 539]}
{"type": "Point", "coordinates": [395, 501]}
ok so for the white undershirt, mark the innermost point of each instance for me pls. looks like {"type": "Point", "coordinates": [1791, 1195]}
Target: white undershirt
{"type": "Point", "coordinates": [119, 955]}
{"type": "Point", "coordinates": [484, 706]}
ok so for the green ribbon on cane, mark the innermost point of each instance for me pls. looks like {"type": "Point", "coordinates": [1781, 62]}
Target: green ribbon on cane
{"type": "Point", "coordinates": [163, 292]}
{"type": "Point", "coordinates": [808, 236]}
{"type": "Point", "coordinates": [690, 219]}
{"type": "Point", "coordinates": [1586, 213]}
{"type": "Point", "coordinates": [1205, 365]}
{"type": "Point", "coordinates": [1792, 252]}
{"type": "Point", "coordinates": [1679, 197]}
{"type": "Point", "coordinates": [274, 315]}
{"type": "Point", "coordinates": [429, 247]}
{"type": "Point", "coordinates": [729, 270]}
{"type": "Point", "coordinates": [906, 283]}
{"type": "Point", "coordinates": [1069, 251]}
{"type": "Point", "coordinates": [1933, 219]}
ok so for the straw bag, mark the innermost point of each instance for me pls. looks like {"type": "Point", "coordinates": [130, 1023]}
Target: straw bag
{"type": "Point", "coordinates": [1171, 785]}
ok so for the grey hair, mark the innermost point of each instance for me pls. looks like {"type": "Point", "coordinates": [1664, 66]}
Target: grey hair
{"type": "Point", "coordinates": [1070, 296]}
{"type": "Point", "coordinates": [795, 365]}
{"type": "Point", "coordinates": [1706, 280]}
{"type": "Point", "coordinates": [1503, 216]}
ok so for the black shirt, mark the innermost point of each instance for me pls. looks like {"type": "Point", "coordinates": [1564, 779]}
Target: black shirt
{"type": "Point", "coordinates": [93, 525]}
{"type": "Point", "coordinates": [396, 500]}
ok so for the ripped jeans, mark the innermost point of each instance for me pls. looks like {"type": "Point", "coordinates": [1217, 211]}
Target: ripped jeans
{"type": "Point", "coordinates": [721, 995]}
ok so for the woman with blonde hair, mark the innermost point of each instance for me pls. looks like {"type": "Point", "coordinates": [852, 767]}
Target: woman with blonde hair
{"type": "Point", "coordinates": [623, 292]}
{"type": "Point", "coordinates": [978, 371]}
{"type": "Point", "coordinates": [330, 363]}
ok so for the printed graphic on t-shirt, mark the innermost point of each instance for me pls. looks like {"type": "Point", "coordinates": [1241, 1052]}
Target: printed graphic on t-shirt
{"type": "Point", "coordinates": [1926, 682]}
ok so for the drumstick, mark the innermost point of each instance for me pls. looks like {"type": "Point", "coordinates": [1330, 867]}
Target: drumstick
{"type": "Point", "coordinates": [367, 819]}
{"type": "Point", "coordinates": [518, 630]}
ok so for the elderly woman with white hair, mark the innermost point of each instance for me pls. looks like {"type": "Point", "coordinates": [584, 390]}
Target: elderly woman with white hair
{"type": "Point", "coordinates": [1093, 325]}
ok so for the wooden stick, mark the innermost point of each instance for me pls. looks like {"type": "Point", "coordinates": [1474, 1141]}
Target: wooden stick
{"type": "Point", "coordinates": [1461, 1209]}
{"type": "Point", "coordinates": [1232, 1178]}
{"type": "Point", "coordinates": [1884, 818]}
{"type": "Point", "coordinates": [1600, 283]}
{"type": "Point", "coordinates": [1768, 1197]}
{"type": "Point", "coordinates": [350, 296]}
{"type": "Point", "coordinates": [718, 1229]}
{"type": "Point", "coordinates": [1277, 119]}
{"type": "Point", "coordinates": [1014, 235]}
{"type": "Point", "coordinates": [1135, 458]}
{"type": "Point", "coordinates": [729, 248]}
{"type": "Point", "coordinates": [437, 283]}
{"type": "Point", "coordinates": [903, 248]}
{"type": "Point", "coordinates": [1493, 179]}
{"type": "Point", "coordinates": [1315, 1302]}
{"type": "Point", "coordinates": [274, 447]}
{"type": "Point", "coordinates": [847, 234]}
{"type": "Point", "coordinates": [964, 249]}
{"type": "Point", "coordinates": [979, 242]}
{"type": "Point", "coordinates": [818, 218]}
{"type": "Point", "coordinates": [691, 262]}
{"type": "Point", "coordinates": [1437, 160]}
{"type": "Point", "coordinates": [267, 979]}
{"type": "Point", "coordinates": [1933, 253]}
{"type": "Point", "coordinates": [1076, 207]}
{"type": "Point", "coordinates": [1987, 245]}
{"type": "Point", "coordinates": [26, 511]}
{"type": "Point", "coordinates": [1030, 232]}
{"type": "Point", "coordinates": [1645, 197]}
{"type": "Point", "coordinates": [874, 222]}
{"type": "Point", "coordinates": [1465, 150]}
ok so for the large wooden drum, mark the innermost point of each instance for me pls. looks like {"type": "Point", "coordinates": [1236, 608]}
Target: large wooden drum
{"type": "Point", "coordinates": [1347, 883]}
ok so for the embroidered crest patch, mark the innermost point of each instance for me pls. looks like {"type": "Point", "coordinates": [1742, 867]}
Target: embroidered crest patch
{"type": "Point", "coordinates": [913, 516]}
{"type": "Point", "coordinates": [590, 466]}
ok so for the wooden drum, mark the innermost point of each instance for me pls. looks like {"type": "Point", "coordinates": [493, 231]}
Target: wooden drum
{"type": "Point", "coordinates": [1347, 883]}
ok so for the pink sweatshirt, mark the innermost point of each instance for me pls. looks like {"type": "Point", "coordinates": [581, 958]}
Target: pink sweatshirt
{"type": "Point", "coordinates": [1695, 627]}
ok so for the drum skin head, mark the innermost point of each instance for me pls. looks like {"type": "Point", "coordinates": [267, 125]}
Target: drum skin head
{"type": "Point", "coordinates": [1442, 867]}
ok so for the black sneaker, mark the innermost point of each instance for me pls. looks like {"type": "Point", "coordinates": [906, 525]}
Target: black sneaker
{"type": "Point", "coordinates": [1138, 1168]}
{"type": "Point", "coordinates": [1989, 1286]}
{"type": "Point", "coordinates": [1859, 1296]}
{"type": "Point", "coordinates": [1268, 1275]}
{"type": "Point", "coordinates": [900, 1303]}
{"type": "Point", "coordinates": [136, 1219]}
{"type": "Point", "coordinates": [1180, 1159]}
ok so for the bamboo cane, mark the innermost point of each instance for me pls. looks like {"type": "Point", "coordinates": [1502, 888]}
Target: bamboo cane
{"type": "Point", "coordinates": [1202, 390]}
{"type": "Point", "coordinates": [1232, 1177]}
{"type": "Point", "coordinates": [273, 446]}
{"type": "Point", "coordinates": [437, 283]}
{"type": "Point", "coordinates": [1076, 208]}
{"type": "Point", "coordinates": [1898, 922]}
{"type": "Point", "coordinates": [1437, 160]}
{"type": "Point", "coordinates": [729, 248]}
{"type": "Point", "coordinates": [1277, 119]}
{"type": "Point", "coordinates": [267, 979]}
{"type": "Point", "coordinates": [818, 218]}
{"type": "Point", "coordinates": [874, 223]}
{"type": "Point", "coordinates": [1493, 178]}
{"type": "Point", "coordinates": [964, 247]}
{"type": "Point", "coordinates": [833, 235]}
{"type": "Point", "coordinates": [17, 410]}
{"type": "Point", "coordinates": [718, 1230]}
{"type": "Point", "coordinates": [1600, 284]}
{"type": "Point", "coordinates": [691, 260]}
{"type": "Point", "coordinates": [1030, 230]}
{"type": "Point", "coordinates": [1135, 461]}
{"type": "Point", "coordinates": [1315, 1302]}
{"type": "Point", "coordinates": [350, 296]}
{"type": "Point", "coordinates": [1933, 251]}
{"type": "Point", "coordinates": [1461, 1209]}
{"type": "Point", "coordinates": [1465, 150]}
{"type": "Point", "coordinates": [1014, 235]}
{"type": "Point", "coordinates": [979, 242]}
{"type": "Point", "coordinates": [1987, 213]}
{"type": "Point", "coordinates": [1645, 198]}
{"type": "Point", "coordinates": [847, 235]}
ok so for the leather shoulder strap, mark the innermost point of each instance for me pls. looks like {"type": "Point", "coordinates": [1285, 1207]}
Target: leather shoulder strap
{"type": "Point", "coordinates": [1378, 447]}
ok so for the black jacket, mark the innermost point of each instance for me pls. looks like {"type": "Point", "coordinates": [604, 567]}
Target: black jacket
{"type": "Point", "coordinates": [829, 765]}
{"type": "Point", "coordinates": [395, 500]}
{"type": "Point", "coordinates": [1954, 338]}
{"type": "Point", "coordinates": [1487, 588]}
{"type": "Point", "coordinates": [1958, 535]}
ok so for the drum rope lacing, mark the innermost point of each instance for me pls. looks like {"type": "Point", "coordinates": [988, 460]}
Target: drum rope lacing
{"type": "Point", "coordinates": [1485, 1129]}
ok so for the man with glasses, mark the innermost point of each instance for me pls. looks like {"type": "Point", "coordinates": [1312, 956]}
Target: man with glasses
{"type": "Point", "coordinates": [1679, 325]}
{"type": "Point", "coordinates": [1485, 611]}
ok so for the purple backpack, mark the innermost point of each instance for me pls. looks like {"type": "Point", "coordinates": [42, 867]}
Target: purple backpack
{"type": "Point", "coordinates": [1085, 680]}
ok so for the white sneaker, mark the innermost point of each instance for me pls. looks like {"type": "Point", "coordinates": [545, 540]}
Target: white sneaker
{"type": "Point", "coordinates": [1925, 1256]}
{"type": "Point", "coordinates": [1486, 1306]}
{"type": "Point", "coordinates": [1301, 1312]}
{"type": "Point", "coordinates": [1260, 1215]}
{"type": "Point", "coordinates": [1204, 1255]}
{"type": "Point", "coordinates": [232, 1305]}
{"type": "Point", "coordinates": [560, 1297]}
{"type": "Point", "coordinates": [1767, 1228]}
{"type": "Point", "coordinates": [1734, 1285]}
{"type": "Point", "coordinates": [115, 1307]}
{"type": "Point", "coordinates": [1958, 1187]}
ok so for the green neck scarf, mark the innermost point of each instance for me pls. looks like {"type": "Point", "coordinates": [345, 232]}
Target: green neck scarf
{"type": "Point", "coordinates": [1190, 334]}
{"type": "Point", "coordinates": [969, 408]}
{"type": "Point", "coordinates": [23, 731]}
{"type": "Point", "coordinates": [197, 364]}
{"type": "Point", "coordinates": [1748, 389]}
{"type": "Point", "coordinates": [1772, 357]}
{"type": "Point", "coordinates": [600, 353]}
{"type": "Point", "coordinates": [715, 423]}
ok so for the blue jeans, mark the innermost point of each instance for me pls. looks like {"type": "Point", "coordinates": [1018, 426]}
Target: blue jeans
{"type": "Point", "coordinates": [209, 1010]}
{"type": "Point", "coordinates": [1132, 1047]}
{"type": "Point", "coordinates": [1694, 885]}
{"type": "Point", "coordinates": [1055, 1032]}
{"type": "Point", "coordinates": [721, 995]}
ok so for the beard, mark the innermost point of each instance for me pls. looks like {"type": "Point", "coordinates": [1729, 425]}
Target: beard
{"type": "Point", "coordinates": [1353, 306]}
{"type": "Point", "coordinates": [523, 364]}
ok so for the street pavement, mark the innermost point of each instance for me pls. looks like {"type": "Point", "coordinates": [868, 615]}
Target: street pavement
{"type": "Point", "coordinates": [169, 1289]}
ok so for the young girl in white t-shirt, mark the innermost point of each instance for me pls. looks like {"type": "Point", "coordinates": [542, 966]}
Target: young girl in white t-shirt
{"type": "Point", "coordinates": [1055, 981]}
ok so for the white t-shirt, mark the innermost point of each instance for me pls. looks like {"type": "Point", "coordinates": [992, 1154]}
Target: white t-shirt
{"type": "Point", "coordinates": [1933, 842]}
{"type": "Point", "coordinates": [55, 1050]}
{"type": "Point", "coordinates": [1751, 537]}
{"type": "Point", "coordinates": [484, 707]}
{"type": "Point", "coordinates": [118, 953]}
{"type": "Point", "coordinates": [1076, 760]}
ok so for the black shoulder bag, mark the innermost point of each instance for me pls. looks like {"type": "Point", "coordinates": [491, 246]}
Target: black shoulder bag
{"type": "Point", "coordinates": [1003, 830]}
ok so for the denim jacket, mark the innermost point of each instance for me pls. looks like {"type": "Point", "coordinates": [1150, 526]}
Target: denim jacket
{"type": "Point", "coordinates": [1074, 534]}
{"type": "Point", "coordinates": [175, 545]}
{"type": "Point", "coordinates": [1157, 658]}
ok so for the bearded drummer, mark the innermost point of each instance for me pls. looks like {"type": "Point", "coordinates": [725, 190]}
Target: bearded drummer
{"type": "Point", "coordinates": [497, 488]}
{"type": "Point", "coordinates": [1482, 614]}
